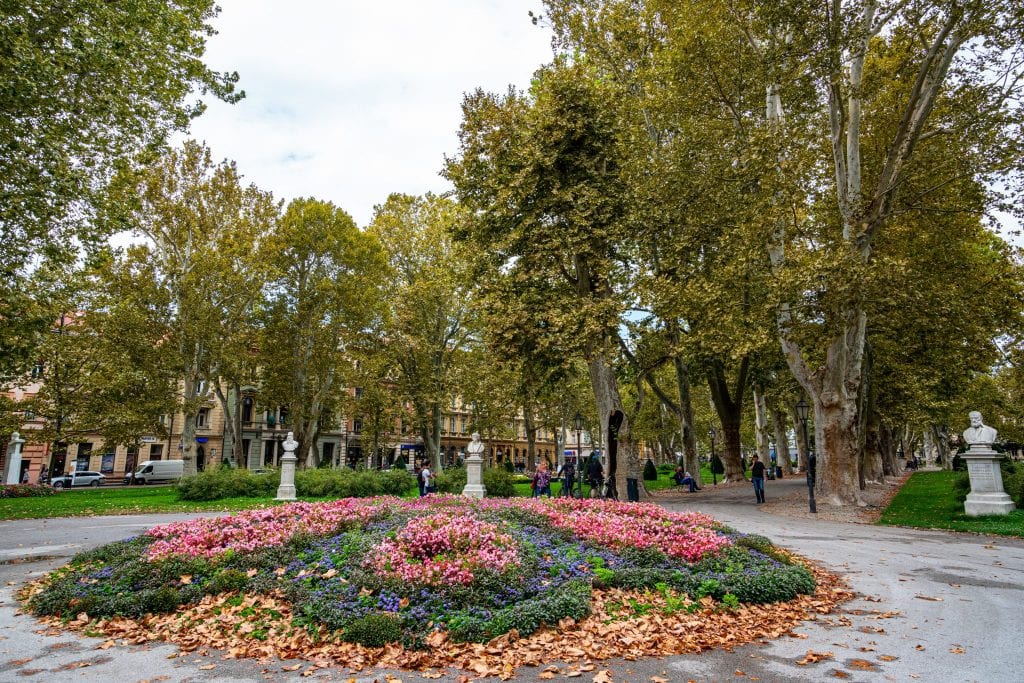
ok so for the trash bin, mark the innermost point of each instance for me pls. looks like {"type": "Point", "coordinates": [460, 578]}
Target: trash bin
{"type": "Point", "coordinates": [778, 471]}
{"type": "Point", "coordinates": [633, 490]}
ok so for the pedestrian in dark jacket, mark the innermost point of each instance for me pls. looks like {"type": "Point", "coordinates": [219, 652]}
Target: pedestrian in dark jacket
{"type": "Point", "coordinates": [757, 478]}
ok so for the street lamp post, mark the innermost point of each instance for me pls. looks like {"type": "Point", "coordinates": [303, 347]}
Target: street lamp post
{"type": "Point", "coordinates": [803, 411]}
{"type": "Point", "coordinates": [712, 434]}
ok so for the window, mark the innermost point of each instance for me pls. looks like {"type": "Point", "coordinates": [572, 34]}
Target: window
{"type": "Point", "coordinates": [463, 424]}
{"type": "Point", "coordinates": [156, 451]}
{"type": "Point", "coordinates": [247, 410]}
{"type": "Point", "coordinates": [203, 418]}
{"type": "Point", "coordinates": [37, 371]}
{"type": "Point", "coordinates": [359, 392]}
{"type": "Point", "coordinates": [451, 425]}
{"type": "Point", "coordinates": [107, 461]}
{"type": "Point", "coordinates": [357, 426]}
{"type": "Point", "coordinates": [200, 387]}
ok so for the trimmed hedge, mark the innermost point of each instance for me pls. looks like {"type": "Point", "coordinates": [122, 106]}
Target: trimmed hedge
{"type": "Point", "coordinates": [498, 482]}
{"type": "Point", "coordinates": [313, 483]}
{"type": "Point", "coordinates": [650, 471]}
{"type": "Point", "coordinates": [25, 491]}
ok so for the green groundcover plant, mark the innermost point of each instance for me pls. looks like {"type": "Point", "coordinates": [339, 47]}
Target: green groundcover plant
{"type": "Point", "coordinates": [382, 570]}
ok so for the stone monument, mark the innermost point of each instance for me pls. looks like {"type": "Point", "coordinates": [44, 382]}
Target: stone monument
{"type": "Point", "coordinates": [987, 496]}
{"type": "Point", "coordinates": [475, 468]}
{"type": "Point", "coordinates": [286, 491]}
{"type": "Point", "coordinates": [12, 473]}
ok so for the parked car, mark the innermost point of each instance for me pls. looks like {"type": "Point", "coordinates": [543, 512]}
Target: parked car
{"type": "Point", "coordinates": [66, 481]}
{"type": "Point", "coordinates": [156, 471]}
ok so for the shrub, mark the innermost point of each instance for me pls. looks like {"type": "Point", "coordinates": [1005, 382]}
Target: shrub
{"type": "Point", "coordinates": [25, 491]}
{"type": "Point", "coordinates": [374, 630]}
{"type": "Point", "coordinates": [959, 464]}
{"type": "Point", "coordinates": [499, 483]}
{"type": "Point", "coordinates": [962, 486]}
{"type": "Point", "coordinates": [451, 480]}
{"type": "Point", "coordinates": [227, 483]}
{"type": "Point", "coordinates": [650, 472]}
{"type": "Point", "coordinates": [1013, 484]}
{"type": "Point", "coordinates": [508, 466]}
{"type": "Point", "coordinates": [400, 462]}
{"type": "Point", "coordinates": [716, 465]}
{"type": "Point", "coordinates": [666, 468]}
{"type": "Point", "coordinates": [396, 482]}
{"type": "Point", "coordinates": [755, 541]}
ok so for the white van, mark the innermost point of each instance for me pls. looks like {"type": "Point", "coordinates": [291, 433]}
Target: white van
{"type": "Point", "coordinates": [156, 472]}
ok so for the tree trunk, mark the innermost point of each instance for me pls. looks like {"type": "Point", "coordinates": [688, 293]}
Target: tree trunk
{"type": "Point", "coordinates": [189, 410]}
{"type": "Point", "coordinates": [836, 433]}
{"type": "Point", "coordinates": [781, 439]}
{"type": "Point", "coordinates": [887, 448]}
{"type": "Point", "coordinates": [941, 438]}
{"type": "Point", "coordinates": [689, 438]}
{"type": "Point", "coordinates": [530, 426]}
{"type": "Point", "coordinates": [801, 442]}
{"type": "Point", "coordinates": [762, 434]}
{"type": "Point", "coordinates": [626, 465]}
{"type": "Point", "coordinates": [729, 406]}
{"type": "Point", "coordinates": [230, 436]}
{"type": "Point", "coordinates": [872, 459]}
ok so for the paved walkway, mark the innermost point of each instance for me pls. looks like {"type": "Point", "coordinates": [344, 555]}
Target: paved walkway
{"type": "Point", "coordinates": [958, 603]}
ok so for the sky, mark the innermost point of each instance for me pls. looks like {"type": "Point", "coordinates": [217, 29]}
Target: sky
{"type": "Point", "coordinates": [349, 101]}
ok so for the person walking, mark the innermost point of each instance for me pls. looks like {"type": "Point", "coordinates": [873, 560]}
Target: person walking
{"type": "Point", "coordinates": [595, 476]}
{"type": "Point", "coordinates": [568, 477]}
{"type": "Point", "coordinates": [428, 480]}
{"type": "Point", "coordinates": [542, 481]}
{"type": "Point", "coordinates": [757, 478]}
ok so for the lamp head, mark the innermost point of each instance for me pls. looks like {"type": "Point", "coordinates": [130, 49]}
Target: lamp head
{"type": "Point", "coordinates": [802, 410]}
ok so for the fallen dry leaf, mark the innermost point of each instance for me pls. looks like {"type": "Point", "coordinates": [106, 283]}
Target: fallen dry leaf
{"type": "Point", "coordinates": [888, 658]}
{"type": "Point", "coordinates": [813, 657]}
{"type": "Point", "coordinates": [293, 667]}
{"type": "Point", "coordinates": [659, 679]}
{"type": "Point", "coordinates": [957, 650]}
{"type": "Point", "coordinates": [928, 597]}
{"type": "Point", "coordinates": [861, 664]}
{"type": "Point", "coordinates": [838, 673]}
{"type": "Point", "coordinates": [207, 667]}
{"type": "Point", "coordinates": [603, 676]}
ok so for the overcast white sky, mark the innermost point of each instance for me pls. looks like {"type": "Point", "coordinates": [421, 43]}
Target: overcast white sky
{"type": "Point", "coordinates": [349, 101]}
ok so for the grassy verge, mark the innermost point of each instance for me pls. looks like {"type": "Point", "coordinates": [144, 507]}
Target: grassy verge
{"type": "Point", "coordinates": [928, 501]}
{"type": "Point", "coordinates": [119, 501]}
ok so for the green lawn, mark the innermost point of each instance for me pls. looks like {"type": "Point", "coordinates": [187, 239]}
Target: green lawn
{"type": "Point", "coordinates": [927, 500]}
{"type": "Point", "coordinates": [116, 501]}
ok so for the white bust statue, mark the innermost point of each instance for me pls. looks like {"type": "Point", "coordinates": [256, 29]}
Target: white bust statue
{"type": "Point", "coordinates": [476, 446]}
{"type": "Point", "coordinates": [979, 432]}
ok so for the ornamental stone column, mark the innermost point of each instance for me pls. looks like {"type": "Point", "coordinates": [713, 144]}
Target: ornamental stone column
{"type": "Point", "coordinates": [286, 491]}
{"type": "Point", "coordinates": [475, 469]}
{"type": "Point", "coordinates": [987, 496]}
{"type": "Point", "coordinates": [12, 473]}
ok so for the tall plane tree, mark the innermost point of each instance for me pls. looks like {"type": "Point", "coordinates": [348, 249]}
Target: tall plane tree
{"type": "Point", "coordinates": [541, 172]}
{"type": "Point", "coordinates": [202, 229]}
{"type": "Point", "coordinates": [325, 294]}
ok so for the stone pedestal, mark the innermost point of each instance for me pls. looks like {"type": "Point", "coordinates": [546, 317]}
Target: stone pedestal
{"type": "Point", "coordinates": [286, 491]}
{"type": "Point", "coordinates": [474, 477]}
{"type": "Point", "coordinates": [12, 472]}
{"type": "Point", "coordinates": [987, 496]}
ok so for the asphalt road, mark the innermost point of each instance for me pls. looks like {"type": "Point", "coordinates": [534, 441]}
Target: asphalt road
{"type": "Point", "coordinates": [960, 600]}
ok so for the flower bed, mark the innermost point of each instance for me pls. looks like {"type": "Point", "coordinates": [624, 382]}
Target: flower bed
{"type": "Point", "coordinates": [383, 570]}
